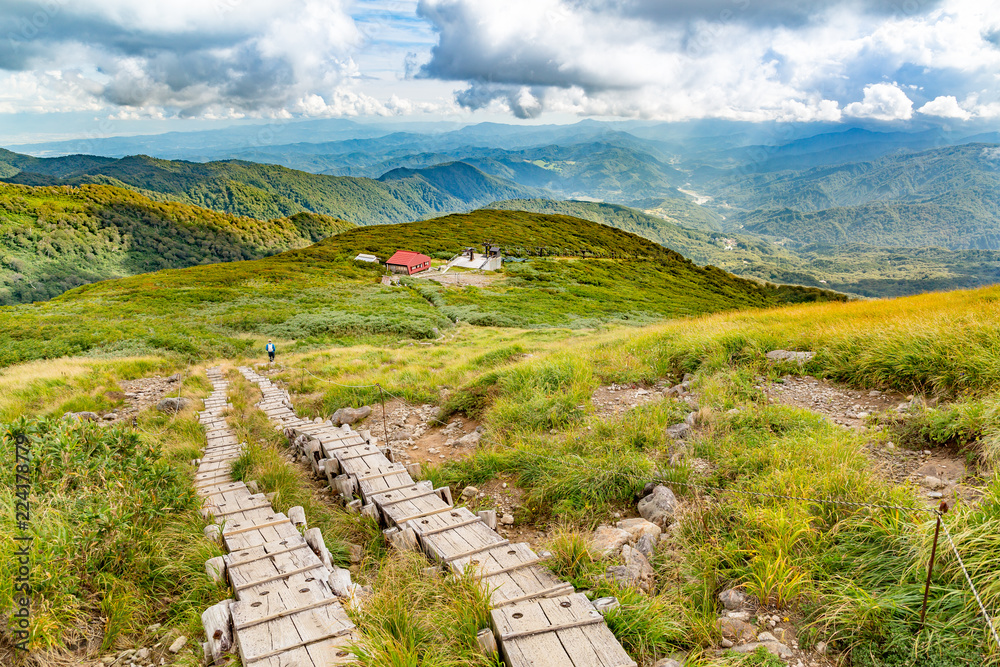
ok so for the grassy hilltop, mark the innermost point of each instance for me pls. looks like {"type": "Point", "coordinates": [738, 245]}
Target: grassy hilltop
{"type": "Point", "coordinates": [320, 294]}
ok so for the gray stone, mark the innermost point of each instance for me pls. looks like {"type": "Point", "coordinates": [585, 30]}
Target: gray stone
{"type": "Point", "coordinates": [733, 599]}
{"type": "Point", "coordinates": [659, 506]}
{"type": "Point", "coordinates": [678, 431]}
{"type": "Point", "coordinates": [350, 415]}
{"type": "Point", "coordinates": [775, 648]}
{"type": "Point", "coordinates": [637, 528]}
{"type": "Point", "coordinates": [173, 404]}
{"type": "Point", "coordinates": [507, 519]}
{"type": "Point", "coordinates": [402, 434]}
{"type": "Point", "coordinates": [355, 553]}
{"type": "Point", "coordinates": [766, 637]}
{"type": "Point", "coordinates": [638, 571]}
{"type": "Point", "coordinates": [606, 540]}
{"type": "Point", "coordinates": [470, 440]}
{"type": "Point", "coordinates": [726, 643]}
{"type": "Point", "coordinates": [787, 355]}
{"type": "Point", "coordinates": [646, 546]}
{"type": "Point", "coordinates": [690, 419]}
{"type": "Point", "coordinates": [81, 416]}
{"type": "Point", "coordinates": [933, 483]}
{"type": "Point", "coordinates": [469, 492]}
{"type": "Point", "coordinates": [667, 662]}
{"type": "Point", "coordinates": [178, 644]}
{"type": "Point", "coordinates": [142, 653]}
{"type": "Point", "coordinates": [738, 631]}
{"type": "Point", "coordinates": [176, 377]}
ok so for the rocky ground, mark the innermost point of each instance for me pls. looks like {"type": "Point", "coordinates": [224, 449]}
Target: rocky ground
{"type": "Point", "coordinates": [613, 399]}
{"type": "Point", "coordinates": [415, 436]}
{"type": "Point", "coordinates": [136, 396]}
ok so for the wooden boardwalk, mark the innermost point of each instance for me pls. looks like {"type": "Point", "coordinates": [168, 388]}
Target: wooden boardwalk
{"type": "Point", "coordinates": [537, 619]}
{"type": "Point", "coordinates": [285, 612]}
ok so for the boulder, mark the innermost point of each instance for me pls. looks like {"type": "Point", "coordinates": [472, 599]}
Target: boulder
{"type": "Point", "coordinates": [173, 404]}
{"type": "Point", "coordinates": [606, 540]}
{"type": "Point", "coordinates": [350, 415]}
{"type": "Point", "coordinates": [788, 355]}
{"type": "Point", "coordinates": [659, 506]}
{"type": "Point", "coordinates": [678, 431]}
{"type": "Point", "coordinates": [81, 416]}
{"type": "Point", "coordinates": [736, 630]}
{"type": "Point", "coordinates": [638, 571]}
{"type": "Point", "coordinates": [637, 528]}
{"type": "Point", "coordinates": [733, 599]}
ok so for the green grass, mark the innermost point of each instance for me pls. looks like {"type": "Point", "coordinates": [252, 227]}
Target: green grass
{"type": "Point", "coordinates": [319, 295]}
{"type": "Point", "coordinates": [118, 540]}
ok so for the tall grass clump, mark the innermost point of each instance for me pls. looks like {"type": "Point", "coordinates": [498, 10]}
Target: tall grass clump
{"type": "Point", "coordinates": [117, 540]}
{"type": "Point", "coordinates": [412, 619]}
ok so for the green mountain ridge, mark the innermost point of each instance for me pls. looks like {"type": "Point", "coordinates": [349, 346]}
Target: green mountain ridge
{"type": "Point", "coordinates": [55, 238]}
{"type": "Point", "coordinates": [268, 191]}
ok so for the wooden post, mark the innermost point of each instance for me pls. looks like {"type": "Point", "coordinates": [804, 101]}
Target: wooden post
{"type": "Point", "coordinates": [215, 568]}
{"type": "Point", "coordinates": [930, 564]}
{"type": "Point", "coordinates": [218, 623]}
{"type": "Point", "coordinates": [487, 641]}
{"type": "Point", "coordinates": [489, 517]}
{"type": "Point", "coordinates": [445, 493]}
{"type": "Point", "coordinates": [297, 515]}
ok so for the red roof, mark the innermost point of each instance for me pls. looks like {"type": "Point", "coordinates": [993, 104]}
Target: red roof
{"type": "Point", "coordinates": [407, 258]}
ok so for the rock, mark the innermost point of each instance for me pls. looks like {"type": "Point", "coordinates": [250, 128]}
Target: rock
{"type": "Point", "coordinates": [787, 355]}
{"type": "Point", "coordinates": [739, 631]}
{"type": "Point", "coordinates": [470, 492]}
{"type": "Point", "coordinates": [775, 648]}
{"type": "Point", "coordinates": [355, 552]}
{"type": "Point", "coordinates": [81, 416]}
{"type": "Point", "coordinates": [733, 599]}
{"type": "Point", "coordinates": [401, 434]}
{"type": "Point", "coordinates": [111, 416]}
{"type": "Point", "coordinates": [154, 627]}
{"type": "Point", "coordinates": [726, 643]}
{"type": "Point", "coordinates": [874, 393]}
{"type": "Point", "coordinates": [470, 440]}
{"type": "Point", "coordinates": [350, 415]}
{"type": "Point", "coordinates": [606, 540]}
{"type": "Point", "coordinates": [667, 662]}
{"type": "Point", "coordinates": [659, 506]}
{"type": "Point", "coordinates": [142, 653]}
{"type": "Point", "coordinates": [173, 404]}
{"type": "Point", "coordinates": [935, 494]}
{"type": "Point", "coordinates": [766, 637]}
{"type": "Point", "coordinates": [690, 419]}
{"type": "Point", "coordinates": [821, 647]}
{"type": "Point", "coordinates": [678, 431]}
{"type": "Point", "coordinates": [178, 644]}
{"type": "Point", "coordinates": [646, 546]}
{"type": "Point", "coordinates": [638, 571]}
{"type": "Point", "coordinates": [637, 528]}
{"type": "Point", "coordinates": [507, 519]}
{"type": "Point", "coordinates": [932, 483]}
{"type": "Point", "coordinates": [176, 377]}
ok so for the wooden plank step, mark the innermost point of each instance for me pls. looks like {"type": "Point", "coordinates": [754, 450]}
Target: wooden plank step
{"type": "Point", "coordinates": [290, 632]}
{"type": "Point", "coordinates": [260, 535]}
{"type": "Point", "coordinates": [497, 561]}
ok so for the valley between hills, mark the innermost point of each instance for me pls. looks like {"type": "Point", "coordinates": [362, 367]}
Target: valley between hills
{"type": "Point", "coordinates": [688, 415]}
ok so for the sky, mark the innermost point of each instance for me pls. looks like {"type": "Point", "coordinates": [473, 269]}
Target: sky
{"type": "Point", "coordinates": [102, 67]}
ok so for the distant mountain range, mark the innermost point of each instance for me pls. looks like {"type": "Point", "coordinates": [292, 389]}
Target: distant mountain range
{"type": "Point", "coordinates": [268, 191]}
{"type": "Point", "coordinates": [820, 205]}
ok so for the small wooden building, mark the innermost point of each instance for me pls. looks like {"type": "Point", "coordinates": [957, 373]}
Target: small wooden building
{"type": "Point", "coordinates": [404, 261]}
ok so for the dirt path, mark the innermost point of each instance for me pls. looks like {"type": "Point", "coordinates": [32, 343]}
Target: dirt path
{"type": "Point", "coordinates": [415, 435]}
{"type": "Point", "coordinates": [940, 474]}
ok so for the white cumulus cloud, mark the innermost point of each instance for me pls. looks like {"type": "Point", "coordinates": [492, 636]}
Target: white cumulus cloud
{"type": "Point", "coordinates": [945, 106]}
{"type": "Point", "coordinates": [882, 101]}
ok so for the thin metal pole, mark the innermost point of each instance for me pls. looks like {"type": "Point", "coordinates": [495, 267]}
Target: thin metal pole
{"type": "Point", "coordinates": [930, 565]}
{"type": "Point", "coordinates": [385, 425]}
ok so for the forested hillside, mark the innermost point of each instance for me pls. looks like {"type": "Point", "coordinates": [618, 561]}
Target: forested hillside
{"type": "Point", "coordinates": [267, 191]}
{"type": "Point", "coordinates": [56, 238]}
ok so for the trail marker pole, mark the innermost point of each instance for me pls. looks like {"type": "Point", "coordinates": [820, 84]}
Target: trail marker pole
{"type": "Point", "coordinates": [930, 565]}
{"type": "Point", "coordinates": [385, 425]}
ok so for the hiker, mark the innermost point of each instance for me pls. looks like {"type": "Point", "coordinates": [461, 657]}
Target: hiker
{"type": "Point", "coordinates": [270, 351]}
